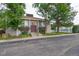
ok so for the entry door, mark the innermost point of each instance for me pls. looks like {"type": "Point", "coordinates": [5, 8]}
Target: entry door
{"type": "Point", "coordinates": [33, 26]}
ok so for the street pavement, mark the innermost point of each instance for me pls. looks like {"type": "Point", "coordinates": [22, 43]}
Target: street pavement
{"type": "Point", "coordinates": [54, 46]}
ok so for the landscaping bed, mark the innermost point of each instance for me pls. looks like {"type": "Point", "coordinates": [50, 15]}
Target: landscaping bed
{"type": "Point", "coordinates": [25, 35]}
{"type": "Point", "coordinates": [7, 37]}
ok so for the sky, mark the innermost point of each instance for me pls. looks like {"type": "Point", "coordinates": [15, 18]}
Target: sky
{"type": "Point", "coordinates": [31, 10]}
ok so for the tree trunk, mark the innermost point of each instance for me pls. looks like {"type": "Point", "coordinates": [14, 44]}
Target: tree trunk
{"type": "Point", "coordinates": [58, 25]}
{"type": "Point", "coordinates": [45, 27]}
{"type": "Point", "coordinates": [58, 28]}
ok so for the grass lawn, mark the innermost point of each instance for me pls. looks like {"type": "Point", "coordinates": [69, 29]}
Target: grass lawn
{"type": "Point", "coordinates": [56, 33]}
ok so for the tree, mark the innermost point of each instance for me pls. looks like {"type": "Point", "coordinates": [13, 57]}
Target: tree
{"type": "Point", "coordinates": [3, 18]}
{"type": "Point", "coordinates": [63, 14]}
{"type": "Point", "coordinates": [11, 14]}
{"type": "Point", "coordinates": [15, 13]}
{"type": "Point", "coordinates": [44, 9]}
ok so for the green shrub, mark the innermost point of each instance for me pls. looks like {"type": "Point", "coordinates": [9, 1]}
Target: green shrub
{"type": "Point", "coordinates": [23, 33]}
{"type": "Point", "coordinates": [75, 29]}
{"type": "Point", "coordinates": [42, 30]}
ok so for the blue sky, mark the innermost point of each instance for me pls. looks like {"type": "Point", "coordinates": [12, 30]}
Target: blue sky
{"type": "Point", "coordinates": [31, 10]}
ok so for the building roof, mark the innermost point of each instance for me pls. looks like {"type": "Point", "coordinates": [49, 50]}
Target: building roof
{"type": "Point", "coordinates": [31, 17]}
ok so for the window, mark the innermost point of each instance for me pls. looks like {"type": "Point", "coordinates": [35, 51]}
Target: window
{"type": "Point", "coordinates": [26, 23]}
{"type": "Point", "coordinates": [42, 24]}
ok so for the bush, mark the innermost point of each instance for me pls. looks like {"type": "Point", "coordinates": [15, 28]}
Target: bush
{"type": "Point", "coordinates": [42, 30]}
{"type": "Point", "coordinates": [25, 34]}
{"type": "Point", "coordinates": [75, 29]}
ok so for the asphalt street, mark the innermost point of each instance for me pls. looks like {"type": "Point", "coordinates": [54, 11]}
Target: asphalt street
{"type": "Point", "coordinates": [55, 46]}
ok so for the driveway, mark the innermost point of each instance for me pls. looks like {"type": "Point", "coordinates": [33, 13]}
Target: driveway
{"type": "Point", "coordinates": [57, 46]}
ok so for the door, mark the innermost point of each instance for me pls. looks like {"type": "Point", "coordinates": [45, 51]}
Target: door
{"type": "Point", "coordinates": [33, 26]}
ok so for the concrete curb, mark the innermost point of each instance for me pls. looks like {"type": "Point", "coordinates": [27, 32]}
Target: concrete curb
{"type": "Point", "coordinates": [18, 40]}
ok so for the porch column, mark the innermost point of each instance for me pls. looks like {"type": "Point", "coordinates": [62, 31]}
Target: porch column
{"type": "Point", "coordinates": [29, 26]}
{"type": "Point", "coordinates": [38, 26]}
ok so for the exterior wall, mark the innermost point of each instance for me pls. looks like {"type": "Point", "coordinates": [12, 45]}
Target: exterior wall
{"type": "Point", "coordinates": [48, 29]}
{"type": "Point", "coordinates": [64, 29]}
{"type": "Point", "coordinates": [41, 24]}
{"type": "Point", "coordinates": [38, 24]}
{"type": "Point", "coordinates": [12, 32]}
{"type": "Point", "coordinates": [29, 24]}
{"type": "Point", "coordinates": [26, 23]}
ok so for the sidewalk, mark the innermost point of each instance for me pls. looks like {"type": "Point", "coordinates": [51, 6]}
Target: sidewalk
{"type": "Point", "coordinates": [32, 38]}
